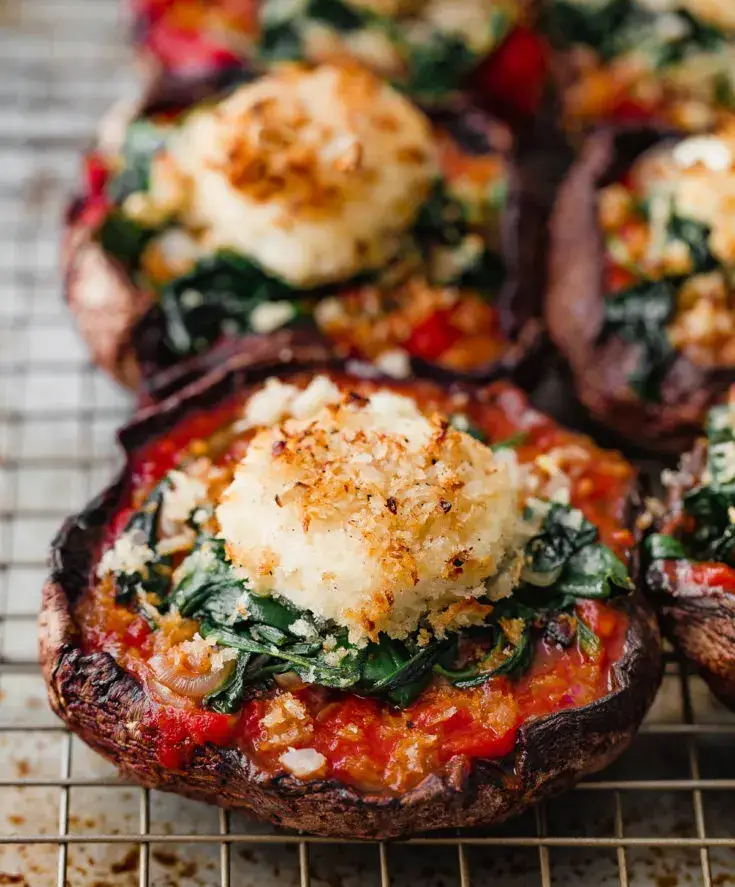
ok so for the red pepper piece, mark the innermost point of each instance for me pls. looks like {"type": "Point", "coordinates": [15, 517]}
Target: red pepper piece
{"type": "Point", "coordinates": [514, 76]}
{"type": "Point", "coordinates": [433, 336]}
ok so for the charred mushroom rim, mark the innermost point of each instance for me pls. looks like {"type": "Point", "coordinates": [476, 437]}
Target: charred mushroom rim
{"type": "Point", "coordinates": [688, 554]}
{"type": "Point", "coordinates": [640, 299]}
{"type": "Point", "coordinates": [317, 198]}
{"type": "Point", "coordinates": [433, 51]}
{"type": "Point", "coordinates": [311, 596]}
{"type": "Point", "coordinates": [664, 62]}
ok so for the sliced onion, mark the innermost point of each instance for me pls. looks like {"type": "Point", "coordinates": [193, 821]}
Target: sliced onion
{"type": "Point", "coordinates": [540, 579]}
{"type": "Point", "coordinates": [163, 694]}
{"type": "Point", "coordinates": [289, 680]}
{"type": "Point", "coordinates": [194, 687]}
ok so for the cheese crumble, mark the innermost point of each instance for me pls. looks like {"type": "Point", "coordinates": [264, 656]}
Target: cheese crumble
{"type": "Point", "coordinates": [304, 762]}
{"type": "Point", "coordinates": [314, 174]}
{"type": "Point", "coordinates": [366, 512]}
{"type": "Point", "coordinates": [129, 555]}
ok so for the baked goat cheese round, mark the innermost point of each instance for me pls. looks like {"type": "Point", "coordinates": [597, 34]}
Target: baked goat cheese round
{"type": "Point", "coordinates": [314, 174]}
{"type": "Point", "coordinates": [368, 513]}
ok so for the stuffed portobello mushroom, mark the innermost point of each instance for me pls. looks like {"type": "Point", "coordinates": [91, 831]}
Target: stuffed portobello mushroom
{"type": "Point", "coordinates": [689, 553]}
{"type": "Point", "coordinates": [432, 50]}
{"type": "Point", "coordinates": [670, 62]}
{"type": "Point", "coordinates": [640, 298]}
{"type": "Point", "coordinates": [313, 197]}
{"type": "Point", "coordinates": [360, 607]}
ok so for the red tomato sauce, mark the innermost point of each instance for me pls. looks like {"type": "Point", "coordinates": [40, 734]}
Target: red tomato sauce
{"type": "Point", "coordinates": [367, 743]}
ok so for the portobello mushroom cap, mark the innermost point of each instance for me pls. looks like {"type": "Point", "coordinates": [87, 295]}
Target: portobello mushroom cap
{"type": "Point", "coordinates": [126, 330]}
{"type": "Point", "coordinates": [574, 311]}
{"type": "Point", "coordinates": [698, 618]}
{"type": "Point", "coordinates": [103, 704]}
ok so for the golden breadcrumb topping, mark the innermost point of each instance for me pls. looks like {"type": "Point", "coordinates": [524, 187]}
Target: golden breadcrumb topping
{"type": "Point", "coordinates": [367, 512]}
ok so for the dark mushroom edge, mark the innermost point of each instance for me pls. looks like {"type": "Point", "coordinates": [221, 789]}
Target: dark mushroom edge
{"type": "Point", "coordinates": [611, 333]}
{"type": "Point", "coordinates": [106, 706]}
{"type": "Point", "coordinates": [688, 555]}
{"type": "Point", "coordinates": [135, 335]}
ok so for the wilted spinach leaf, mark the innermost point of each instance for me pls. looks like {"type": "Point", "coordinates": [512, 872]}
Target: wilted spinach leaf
{"type": "Point", "coordinates": [438, 64]}
{"type": "Point", "coordinates": [588, 640]}
{"type": "Point", "coordinates": [696, 236]}
{"type": "Point", "coordinates": [280, 41]}
{"type": "Point", "coordinates": [390, 666]}
{"type": "Point", "coordinates": [659, 546]}
{"type": "Point", "coordinates": [205, 573]}
{"type": "Point", "coordinates": [511, 658]}
{"type": "Point", "coordinates": [442, 224]}
{"type": "Point", "coordinates": [639, 316]}
{"type": "Point", "coordinates": [696, 36]}
{"type": "Point", "coordinates": [336, 14]}
{"type": "Point", "coordinates": [229, 698]}
{"type": "Point", "coordinates": [156, 574]}
{"type": "Point", "coordinates": [564, 532]}
{"type": "Point", "coordinates": [595, 25]}
{"type": "Point", "coordinates": [711, 503]}
{"type": "Point", "coordinates": [124, 239]}
{"type": "Point", "coordinates": [595, 572]}
{"type": "Point", "coordinates": [218, 295]}
{"type": "Point", "coordinates": [143, 140]}
{"type": "Point", "coordinates": [273, 636]}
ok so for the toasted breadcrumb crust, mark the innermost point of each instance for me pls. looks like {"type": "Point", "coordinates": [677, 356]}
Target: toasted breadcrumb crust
{"type": "Point", "coordinates": [314, 173]}
{"type": "Point", "coordinates": [369, 513]}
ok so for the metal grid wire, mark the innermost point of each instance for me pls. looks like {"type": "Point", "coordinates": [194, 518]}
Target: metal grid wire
{"type": "Point", "coordinates": [664, 812]}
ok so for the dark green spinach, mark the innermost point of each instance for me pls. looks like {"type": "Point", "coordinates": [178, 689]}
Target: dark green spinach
{"type": "Point", "coordinates": [272, 636]}
{"type": "Point", "coordinates": [437, 65]}
{"type": "Point", "coordinates": [217, 297]}
{"type": "Point", "coordinates": [442, 224]}
{"type": "Point", "coordinates": [696, 36]}
{"type": "Point", "coordinates": [639, 316]}
{"type": "Point", "coordinates": [337, 15]}
{"type": "Point", "coordinates": [143, 140]}
{"type": "Point", "coordinates": [659, 546]}
{"type": "Point", "coordinates": [229, 698]}
{"type": "Point", "coordinates": [593, 25]}
{"type": "Point", "coordinates": [124, 239]}
{"type": "Point", "coordinates": [696, 236]}
{"type": "Point", "coordinates": [143, 526]}
{"type": "Point", "coordinates": [620, 26]}
{"type": "Point", "coordinates": [710, 504]}
{"type": "Point", "coordinates": [564, 532]}
{"type": "Point", "coordinates": [280, 41]}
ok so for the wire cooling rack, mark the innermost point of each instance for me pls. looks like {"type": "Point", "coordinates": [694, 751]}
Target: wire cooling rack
{"type": "Point", "coordinates": [663, 815]}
